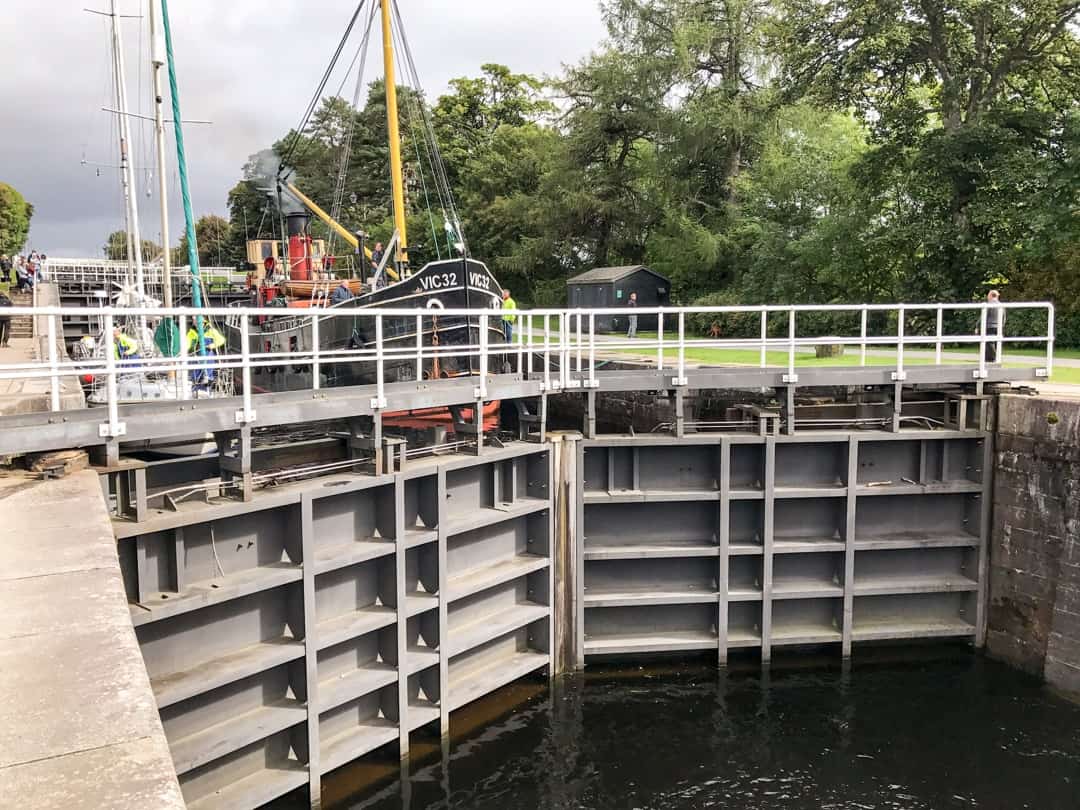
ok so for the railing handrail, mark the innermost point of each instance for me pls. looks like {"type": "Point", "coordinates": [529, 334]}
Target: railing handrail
{"type": "Point", "coordinates": [540, 311]}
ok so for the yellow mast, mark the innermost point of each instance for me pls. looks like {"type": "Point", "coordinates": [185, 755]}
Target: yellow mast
{"type": "Point", "coordinates": [395, 136]}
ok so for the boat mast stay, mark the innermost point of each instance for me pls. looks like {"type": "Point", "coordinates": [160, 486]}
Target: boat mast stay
{"type": "Point", "coordinates": [134, 238]}
{"type": "Point", "coordinates": [157, 61]}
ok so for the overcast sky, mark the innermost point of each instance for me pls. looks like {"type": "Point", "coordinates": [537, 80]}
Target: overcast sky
{"type": "Point", "coordinates": [249, 66]}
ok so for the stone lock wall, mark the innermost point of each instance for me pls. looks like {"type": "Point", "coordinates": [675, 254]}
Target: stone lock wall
{"type": "Point", "coordinates": [1034, 615]}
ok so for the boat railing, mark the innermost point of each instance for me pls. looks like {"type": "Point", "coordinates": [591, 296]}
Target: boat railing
{"type": "Point", "coordinates": [572, 349]}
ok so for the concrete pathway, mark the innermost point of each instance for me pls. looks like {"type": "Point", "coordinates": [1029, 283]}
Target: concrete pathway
{"type": "Point", "coordinates": [79, 726]}
{"type": "Point", "coordinates": [33, 395]}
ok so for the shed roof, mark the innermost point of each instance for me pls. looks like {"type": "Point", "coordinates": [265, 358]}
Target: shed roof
{"type": "Point", "coordinates": [602, 275]}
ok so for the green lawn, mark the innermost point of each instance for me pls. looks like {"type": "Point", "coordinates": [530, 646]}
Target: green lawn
{"type": "Point", "coordinates": [752, 357]}
{"type": "Point", "coordinates": [1067, 354]}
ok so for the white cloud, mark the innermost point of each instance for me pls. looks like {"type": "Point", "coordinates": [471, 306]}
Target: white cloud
{"type": "Point", "coordinates": [250, 66]}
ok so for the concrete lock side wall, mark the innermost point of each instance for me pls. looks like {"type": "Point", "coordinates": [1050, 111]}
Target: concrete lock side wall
{"type": "Point", "coordinates": [327, 620]}
{"type": "Point", "coordinates": [1035, 569]}
{"type": "Point", "coordinates": [78, 723]}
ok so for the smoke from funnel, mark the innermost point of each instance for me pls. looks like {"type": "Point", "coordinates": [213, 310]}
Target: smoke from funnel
{"type": "Point", "coordinates": [265, 169]}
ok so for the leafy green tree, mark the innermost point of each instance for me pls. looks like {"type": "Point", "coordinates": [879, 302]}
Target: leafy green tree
{"type": "Point", "coordinates": [960, 97]}
{"type": "Point", "coordinates": [466, 119]}
{"type": "Point", "coordinates": [213, 235]}
{"type": "Point", "coordinates": [805, 226]}
{"type": "Point", "coordinates": [15, 216]}
{"type": "Point", "coordinates": [116, 248]}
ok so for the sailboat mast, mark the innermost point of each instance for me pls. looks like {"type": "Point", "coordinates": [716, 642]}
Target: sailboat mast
{"type": "Point", "coordinates": [396, 179]}
{"type": "Point", "coordinates": [157, 61]}
{"type": "Point", "coordinates": [135, 243]}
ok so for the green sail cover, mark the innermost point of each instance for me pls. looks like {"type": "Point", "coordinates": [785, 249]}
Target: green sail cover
{"type": "Point", "coordinates": [167, 338]}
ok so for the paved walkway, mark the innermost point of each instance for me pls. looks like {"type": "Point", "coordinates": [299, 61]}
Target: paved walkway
{"type": "Point", "coordinates": [79, 726]}
{"type": "Point", "coordinates": [33, 395]}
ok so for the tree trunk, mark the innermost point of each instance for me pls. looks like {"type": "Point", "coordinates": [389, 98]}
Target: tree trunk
{"type": "Point", "coordinates": [829, 350]}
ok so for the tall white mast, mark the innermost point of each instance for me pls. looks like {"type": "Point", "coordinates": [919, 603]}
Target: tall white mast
{"type": "Point", "coordinates": [134, 236]}
{"type": "Point", "coordinates": [157, 61]}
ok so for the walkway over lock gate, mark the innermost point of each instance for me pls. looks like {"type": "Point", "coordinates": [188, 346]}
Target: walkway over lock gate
{"type": "Point", "coordinates": [553, 351]}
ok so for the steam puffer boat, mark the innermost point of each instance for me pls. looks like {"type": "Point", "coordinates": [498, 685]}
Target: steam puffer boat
{"type": "Point", "coordinates": [386, 281]}
{"type": "Point", "coordinates": [450, 284]}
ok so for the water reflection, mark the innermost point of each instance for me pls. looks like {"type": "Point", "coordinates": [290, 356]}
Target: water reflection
{"type": "Point", "coordinates": [947, 731]}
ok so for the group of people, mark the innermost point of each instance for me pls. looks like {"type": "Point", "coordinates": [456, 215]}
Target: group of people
{"type": "Point", "coordinates": [24, 271]}
{"type": "Point", "coordinates": [126, 348]}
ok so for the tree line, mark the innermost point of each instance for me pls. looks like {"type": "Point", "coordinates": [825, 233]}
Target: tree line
{"type": "Point", "coordinates": [809, 151]}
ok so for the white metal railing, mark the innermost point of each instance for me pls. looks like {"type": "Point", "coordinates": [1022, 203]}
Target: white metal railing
{"type": "Point", "coordinates": [560, 348]}
{"type": "Point", "coordinates": [100, 273]}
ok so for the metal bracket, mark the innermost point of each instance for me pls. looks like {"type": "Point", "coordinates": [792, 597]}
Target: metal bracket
{"type": "Point", "coordinates": [898, 376]}
{"type": "Point", "coordinates": [573, 384]}
{"type": "Point", "coordinates": [979, 375]}
{"type": "Point", "coordinates": [378, 402]}
{"type": "Point", "coordinates": [1042, 373]}
{"type": "Point", "coordinates": [243, 418]}
{"type": "Point", "coordinates": [590, 383]}
{"type": "Point", "coordinates": [679, 381]}
{"type": "Point", "coordinates": [790, 378]}
{"type": "Point", "coordinates": [105, 432]}
{"type": "Point", "coordinates": [477, 393]}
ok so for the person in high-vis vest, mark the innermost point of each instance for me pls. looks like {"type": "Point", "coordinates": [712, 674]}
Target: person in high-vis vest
{"type": "Point", "coordinates": [508, 318]}
{"type": "Point", "coordinates": [212, 341]}
{"type": "Point", "coordinates": [124, 346]}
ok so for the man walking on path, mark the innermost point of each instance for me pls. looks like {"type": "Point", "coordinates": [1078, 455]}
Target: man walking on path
{"type": "Point", "coordinates": [632, 303]}
{"type": "Point", "coordinates": [995, 321]}
{"type": "Point", "coordinates": [508, 319]}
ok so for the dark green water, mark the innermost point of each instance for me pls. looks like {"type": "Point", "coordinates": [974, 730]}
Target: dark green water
{"type": "Point", "coordinates": [953, 732]}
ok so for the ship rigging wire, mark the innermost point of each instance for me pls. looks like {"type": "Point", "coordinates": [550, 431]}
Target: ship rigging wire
{"type": "Point", "coordinates": [298, 133]}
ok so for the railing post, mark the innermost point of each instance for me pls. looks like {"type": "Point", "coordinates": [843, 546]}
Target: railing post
{"type": "Point", "coordinates": [680, 378]}
{"type": "Point", "coordinates": [54, 373]}
{"type": "Point", "coordinates": [791, 376]}
{"type": "Point", "coordinates": [564, 352]}
{"type": "Point", "coordinates": [899, 375]}
{"type": "Point", "coordinates": [184, 378]}
{"type": "Point", "coordinates": [247, 415]}
{"type": "Point", "coordinates": [532, 344]}
{"type": "Point", "coordinates": [940, 332]}
{"type": "Point", "coordinates": [592, 350]}
{"type": "Point", "coordinates": [547, 358]}
{"type": "Point", "coordinates": [981, 373]}
{"type": "Point", "coordinates": [316, 371]}
{"type": "Point", "coordinates": [764, 335]}
{"type": "Point", "coordinates": [1000, 353]}
{"type": "Point", "coordinates": [578, 313]}
{"type": "Point", "coordinates": [1050, 338]}
{"type": "Point", "coordinates": [114, 427]}
{"type": "Point", "coordinates": [480, 392]}
{"type": "Point", "coordinates": [660, 341]}
{"type": "Point", "coordinates": [522, 321]}
{"type": "Point", "coordinates": [419, 348]}
{"type": "Point", "coordinates": [379, 401]}
{"type": "Point", "coordinates": [862, 336]}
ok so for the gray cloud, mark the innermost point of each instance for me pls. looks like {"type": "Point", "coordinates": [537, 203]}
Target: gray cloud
{"type": "Point", "coordinates": [250, 66]}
